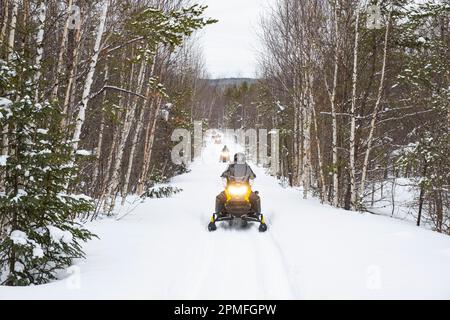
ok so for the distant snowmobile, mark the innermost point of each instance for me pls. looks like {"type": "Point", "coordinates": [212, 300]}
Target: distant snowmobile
{"type": "Point", "coordinates": [238, 201]}
{"type": "Point", "coordinates": [225, 155]}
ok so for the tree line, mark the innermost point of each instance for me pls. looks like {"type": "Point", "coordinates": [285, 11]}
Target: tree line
{"type": "Point", "coordinates": [360, 93]}
{"type": "Point", "coordinates": [88, 89]}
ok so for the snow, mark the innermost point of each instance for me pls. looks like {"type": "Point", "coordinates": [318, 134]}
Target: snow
{"type": "Point", "coordinates": [19, 237]}
{"type": "Point", "coordinates": [57, 235]}
{"type": "Point", "coordinates": [421, 40]}
{"type": "Point", "coordinates": [18, 267]}
{"type": "Point", "coordinates": [84, 152]}
{"type": "Point", "coordinates": [80, 197]}
{"type": "Point", "coordinates": [37, 251]}
{"type": "Point", "coordinates": [5, 105]}
{"type": "Point", "coordinates": [3, 159]}
{"type": "Point", "coordinates": [161, 249]}
{"type": "Point", "coordinates": [20, 193]}
{"type": "Point", "coordinates": [280, 106]}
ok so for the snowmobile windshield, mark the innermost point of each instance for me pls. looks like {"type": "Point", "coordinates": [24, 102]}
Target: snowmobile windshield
{"type": "Point", "coordinates": [240, 173]}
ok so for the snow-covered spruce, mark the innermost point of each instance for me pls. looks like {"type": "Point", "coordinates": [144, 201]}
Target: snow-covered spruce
{"type": "Point", "coordinates": [38, 235]}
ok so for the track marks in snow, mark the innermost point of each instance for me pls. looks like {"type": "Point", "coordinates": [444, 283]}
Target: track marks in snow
{"type": "Point", "coordinates": [275, 275]}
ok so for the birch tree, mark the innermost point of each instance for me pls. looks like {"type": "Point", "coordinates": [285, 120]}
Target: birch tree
{"type": "Point", "coordinates": [39, 45]}
{"type": "Point", "coordinates": [375, 110]}
{"type": "Point", "coordinates": [12, 29]}
{"type": "Point", "coordinates": [353, 198]}
{"type": "Point", "coordinates": [10, 55]}
{"type": "Point", "coordinates": [62, 49]}
{"type": "Point", "coordinates": [5, 21]}
{"type": "Point", "coordinates": [332, 95]}
{"type": "Point", "coordinates": [90, 77]}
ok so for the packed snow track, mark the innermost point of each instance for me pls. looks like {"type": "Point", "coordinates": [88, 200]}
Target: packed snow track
{"type": "Point", "coordinates": [161, 249]}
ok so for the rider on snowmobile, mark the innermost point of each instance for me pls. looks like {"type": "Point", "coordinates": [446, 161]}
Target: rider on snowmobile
{"type": "Point", "coordinates": [240, 170]}
{"type": "Point", "coordinates": [225, 154]}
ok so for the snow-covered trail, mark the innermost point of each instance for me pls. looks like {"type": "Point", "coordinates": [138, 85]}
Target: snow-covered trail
{"type": "Point", "coordinates": [162, 250]}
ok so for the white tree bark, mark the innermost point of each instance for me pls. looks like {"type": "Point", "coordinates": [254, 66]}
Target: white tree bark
{"type": "Point", "coordinates": [307, 153]}
{"type": "Point", "coordinates": [107, 172]}
{"type": "Point", "coordinates": [148, 144]}
{"type": "Point", "coordinates": [334, 116]}
{"type": "Point", "coordinates": [40, 48]}
{"type": "Point", "coordinates": [375, 112]}
{"type": "Point", "coordinates": [98, 154]}
{"type": "Point", "coordinates": [90, 77]}
{"type": "Point", "coordinates": [319, 151]}
{"type": "Point", "coordinates": [353, 198]}
{"type": "Point", "coordinates": [62, 48]}
{"type": "Point", "coordinates": [107, 181]}
{"type": "Point", "coordinates": [12, 29]}
{"type": "Point", "coordinates": [296, 168]}
{"type": "Point", "coordinates": [10, 50]}
{"type": "Point", "coordinates": [134, 142]}
{"type": "Point", "coordinates": [129, 117]}
{"type": "Point", "coordinates": [70, 87]}
{"type": "Point", "coordinates": [5, 22]}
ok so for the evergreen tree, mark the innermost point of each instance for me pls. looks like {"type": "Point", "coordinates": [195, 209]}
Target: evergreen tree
{"type": "Point", "coordinates": [39, 235]}
{"type": "Point", "coordinates": [425, 77]}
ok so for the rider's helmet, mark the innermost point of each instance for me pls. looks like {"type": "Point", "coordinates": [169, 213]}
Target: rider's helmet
{"type": "Point", "coordinates": [239, 158]}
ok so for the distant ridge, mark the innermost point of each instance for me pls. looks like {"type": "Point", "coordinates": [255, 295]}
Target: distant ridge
{"type": "Point", "coordinates": [225, 82]}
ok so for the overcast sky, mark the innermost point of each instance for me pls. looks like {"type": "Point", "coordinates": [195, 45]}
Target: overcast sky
{"type": "Point", "coordinates": [230, 46]}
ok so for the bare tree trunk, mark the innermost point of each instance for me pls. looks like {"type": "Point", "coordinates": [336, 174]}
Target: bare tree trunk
{"type": "Point", "coordinates": [5, 21]}
{"type": "Point", "coordinates": [295, 138]}
{"type": "Point", "coordinates": [353, 198]}
{"type": "Point", "coordinates": [25, 17]}
{"type": "Point", "coordinates": [90, 77]}
{"type": "Point", "coordinates": [107, 172]}
{"type": "Point", "coordinates": [421, 198]}
{"type": "Point", "coordinates": [307, 155]}
{"type": "Point", "coordinates": [129, 116]}
{"type": "Point", "coordinates": [102, 129]}
{"type": "Point", "coordinates": [132, 154]}
{"type": "Point", "coordinates": [301, 165]}
{"type": "Point", "coordinates": [70, 84]}
{"type": "Point", "coordinates": [148, 144]}
{"type": "Point", "coordinates": [40, 48]}
{"type": "Point", "coordinates": [439, 210]}
{"type": "Point", "coordinates": [139, 127]}
{"type": "Point", "coordinates": [12, 29]}
{"type": "Point", "coordinates": [319, 152]}
{"type": "Point", "coordinates": [375, 112]}
{"type": "Point", "coordinates": [10, 53]}
{"type": "Point", "coordinates": [334, 117]}
{"type": "Point", "coordinates": [62, 48]}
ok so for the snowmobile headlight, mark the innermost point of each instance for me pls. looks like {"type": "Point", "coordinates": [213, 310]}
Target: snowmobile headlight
{"type": "Point", "coordinates": [238, 191]}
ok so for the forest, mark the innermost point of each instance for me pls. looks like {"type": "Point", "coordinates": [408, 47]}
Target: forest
{"type": "Point", "coordinates": [91, 91]}
{"type": "Point", "coordinates": [360, 95]}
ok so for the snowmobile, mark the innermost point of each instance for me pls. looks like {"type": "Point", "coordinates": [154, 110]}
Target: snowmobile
{"type": "Point", "coordinates": [238, 207]}
{"type": "Point", "coordinates": [225, 156]}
